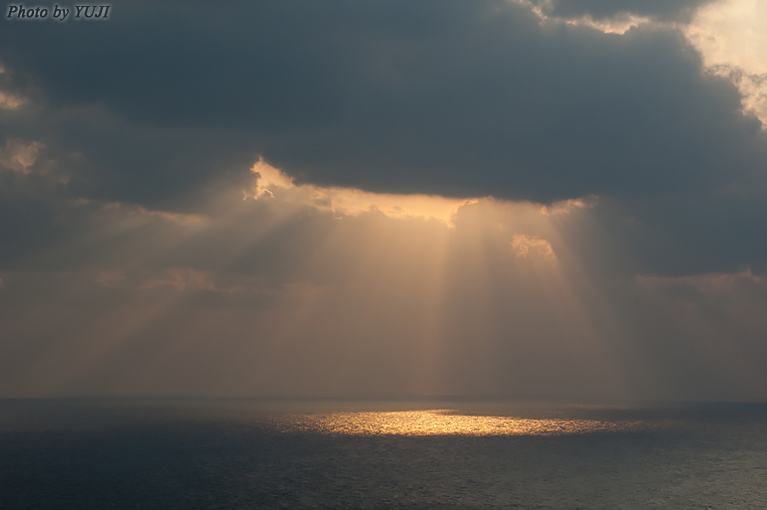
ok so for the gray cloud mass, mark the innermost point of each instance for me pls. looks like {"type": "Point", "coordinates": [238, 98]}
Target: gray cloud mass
{"type": "Point", "coordinates": [661, 10]}
{"type": "Point", "coordinates": [440, 97]}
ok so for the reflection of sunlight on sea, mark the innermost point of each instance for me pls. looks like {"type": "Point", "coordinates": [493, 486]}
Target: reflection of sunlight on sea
{"type": "Point", "coordinates": [445, 422]}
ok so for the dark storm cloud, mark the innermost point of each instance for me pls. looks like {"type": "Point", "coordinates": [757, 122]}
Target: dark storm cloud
{"type": "Point", "coordinates": [457, 98]}
{"type": "Point", "coordinates": [663, 10]}
{"type": "Point", "coordinates": [104, 156]}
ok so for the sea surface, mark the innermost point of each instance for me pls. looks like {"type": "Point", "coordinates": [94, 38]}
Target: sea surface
{"type": "Point", "coordinates": [443, 454]}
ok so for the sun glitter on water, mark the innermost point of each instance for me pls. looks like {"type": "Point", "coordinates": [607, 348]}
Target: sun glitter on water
{"type": "Point", "coordinates": [445, 422]}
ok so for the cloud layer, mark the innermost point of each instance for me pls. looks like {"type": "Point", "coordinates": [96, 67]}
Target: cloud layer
{"type": "Point", "coordinates": [348, 197]}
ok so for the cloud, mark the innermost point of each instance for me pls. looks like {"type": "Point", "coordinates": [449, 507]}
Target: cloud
{"type": "Point", "coordinates": [523, 245]}
{"type": "Point", "coordinates": [349, 201]}
{"type": "Point", "coordinates": [8, 99]}
{"type": "Point", "coordinates": [441, 98]}
{"type": "Point", "coordinates": [19, 156]}
{"type": "Point", "coordinates": [601, 9]}
{"type": "Point", "coordinates": [730, 36]}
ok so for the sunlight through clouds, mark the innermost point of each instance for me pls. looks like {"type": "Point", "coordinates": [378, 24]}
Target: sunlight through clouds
{"type": "Point", "coordinates": [347, 201]}
{"type": "Point", "coordinates": [731, 35]}
{"type": "Point", "coordinates": [525, 198]}
{"type": "Point", "coordinates": [619, 24]}
{"type": "Point", "coordinates": [370, 281]}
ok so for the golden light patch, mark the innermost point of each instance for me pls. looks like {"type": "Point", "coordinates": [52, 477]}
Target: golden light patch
{"type": "Point", "coordinates": [269, 177]}
{"type": "Point", "coordinates": [444, 422]}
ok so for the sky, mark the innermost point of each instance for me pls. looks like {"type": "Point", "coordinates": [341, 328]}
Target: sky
{"type": "Point", "coordinates": [525, 199]}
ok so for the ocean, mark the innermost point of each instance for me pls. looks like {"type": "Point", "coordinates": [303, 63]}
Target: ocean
{"type": "Point", "coordinates": [442, 454]}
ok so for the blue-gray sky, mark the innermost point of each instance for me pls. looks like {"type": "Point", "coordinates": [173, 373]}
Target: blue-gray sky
{"type": "Point", "coordinates": [602, 228]}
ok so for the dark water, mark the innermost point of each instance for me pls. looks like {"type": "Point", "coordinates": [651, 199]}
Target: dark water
{"type": "Point", "coordinates": [245, 454]}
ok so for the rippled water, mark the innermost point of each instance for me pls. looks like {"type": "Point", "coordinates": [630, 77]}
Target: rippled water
{"type": "Point", "coordinates": [444, 422]}
{"type": "Point", "coordinates": [446, 454]}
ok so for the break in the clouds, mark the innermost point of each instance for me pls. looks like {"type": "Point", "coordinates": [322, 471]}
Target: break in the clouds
{"type": "Point", "coordinates": [380, 198]}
